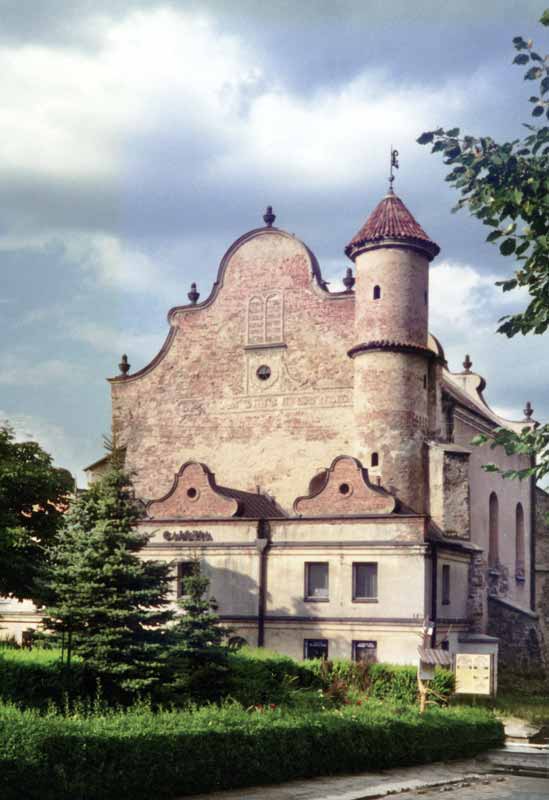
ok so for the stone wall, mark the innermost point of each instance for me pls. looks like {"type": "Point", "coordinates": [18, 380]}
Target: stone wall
{"type": "Point", "coordinates": [520, 639]}
{"type": "Point", "coordinates": [542, 566]}
{"type": "Point", "coordinates": [477, 600]}
{"type": "Point", "coordinates": [449, 505]}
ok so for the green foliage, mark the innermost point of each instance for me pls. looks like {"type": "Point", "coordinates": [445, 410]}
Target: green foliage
{"type": "Point", "coordinates": [106, 603]}
{"type": "Point", "coordinates": [506, 186]}
{"type": "Point", "coordinates": [39, 680]}
{"type": "Point", "coordinates": [33, 494]}
{"type": "Point", "coordinates": [388, 682]}
{"type": "Point", "coordinates": [140, 755]}
{"type": "Point", "coordinates": [532, 442]}
{"type": "Point", "coordinates": [265, 677]}
{"type": "Point", "coordinates": [250, 676]}
{"type": "Point", "coordinates": [399, 684]}
{"type": "Point", "coordinates": [196, 667]}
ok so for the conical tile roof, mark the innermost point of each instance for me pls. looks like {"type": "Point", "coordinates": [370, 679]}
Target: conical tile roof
{"type": "Point", "coordinates": [392, 221]}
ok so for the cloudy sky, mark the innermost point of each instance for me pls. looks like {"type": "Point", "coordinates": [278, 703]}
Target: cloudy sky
{"type": "Point", "coordinates": [141, 137]}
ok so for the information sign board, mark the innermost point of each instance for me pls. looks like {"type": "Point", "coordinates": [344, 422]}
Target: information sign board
{"type": "Point", "coordinates": [474, 673]}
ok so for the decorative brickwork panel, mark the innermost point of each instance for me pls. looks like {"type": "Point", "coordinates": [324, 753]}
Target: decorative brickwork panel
{"type": "Point", "coordinates": [193, 495]}
{"type": "Point", "coordinates": [343, 490]}
{"type": "Point", "coordinates": [202, 398]}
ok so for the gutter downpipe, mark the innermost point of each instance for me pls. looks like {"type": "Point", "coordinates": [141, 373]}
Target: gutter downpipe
{"type": "Point", "coordinates": [262, 545]}
{"type": "Point", "coordinates": [434, 590]}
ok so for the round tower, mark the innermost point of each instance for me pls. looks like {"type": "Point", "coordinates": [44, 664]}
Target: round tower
{"type": "Point", "coordinates": [391, 355]}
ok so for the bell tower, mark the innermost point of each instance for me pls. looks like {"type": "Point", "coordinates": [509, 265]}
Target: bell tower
{"type": "Point", "coordinates": [391, 356]}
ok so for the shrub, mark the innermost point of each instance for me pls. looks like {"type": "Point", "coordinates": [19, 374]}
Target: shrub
{"type": "Point", "coordinates": [263, 676]}
{"type": "Point", "coordinates": [37, 679]}
{"type": "Point", "coordinates": [139, 754]}
{"type": "Point", "coordinates": [389, 682]}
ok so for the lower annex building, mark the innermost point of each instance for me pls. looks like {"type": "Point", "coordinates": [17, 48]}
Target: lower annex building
{"type": "Point", "coordinates": [313, 450]}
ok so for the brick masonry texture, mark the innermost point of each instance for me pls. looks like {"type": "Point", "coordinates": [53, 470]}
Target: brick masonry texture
{"type": "Point", "coordinates": [193, 496]}
{"type": "Point", "coordinates": [203, 400]}
{"type": "Point", "coordinates": [344, 489]}
{"type": "Point", "coordinates": [318, 405]}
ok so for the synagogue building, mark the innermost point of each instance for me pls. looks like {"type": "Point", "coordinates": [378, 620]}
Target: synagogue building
{"type": "Point", "coordinates": [313, 450]}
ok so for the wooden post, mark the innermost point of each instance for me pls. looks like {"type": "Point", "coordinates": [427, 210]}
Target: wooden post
{"type": "Point", "coordinates": [423, 690]}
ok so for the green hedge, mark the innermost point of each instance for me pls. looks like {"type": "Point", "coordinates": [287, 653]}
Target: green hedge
{"type": "Point", "coordinates": [140, 755]}
{"type": "Point", "coordinates": [394, 683]}
{"type": "Point", "coordinates": [263, 676]}
{"type": "Point", "coordinates": [36, 679]}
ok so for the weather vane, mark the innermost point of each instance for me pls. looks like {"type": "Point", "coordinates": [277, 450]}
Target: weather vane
{"type": "Point", "coordinates": [394, 165]}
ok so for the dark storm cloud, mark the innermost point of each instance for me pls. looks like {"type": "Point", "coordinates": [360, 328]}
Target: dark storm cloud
{"type": "Point", "coordinates": [37, 204]}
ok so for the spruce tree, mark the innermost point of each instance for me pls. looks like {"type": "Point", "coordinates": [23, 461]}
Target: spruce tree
{"type": "Point", "coordinates": [198, 658]}
{"type": "Point", "coordinates": [109, 605]}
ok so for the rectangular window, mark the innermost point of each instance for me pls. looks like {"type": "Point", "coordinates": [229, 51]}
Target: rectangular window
{"type": "Point", "coordinates": [184, 570]}
{"type": "Point", "coordinates": [365, 651]}
{"type": "Point", "coordinates": [364, 582]}
{"type": "Point", "coordinates": [316, 581]}
{"type": "Point", "coordinates": [315, 648]}
{"type": "Point", "coordinates": [445, 584]}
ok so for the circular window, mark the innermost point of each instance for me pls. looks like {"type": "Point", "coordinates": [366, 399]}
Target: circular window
{"type": "Point", "coordinates": [344, 488]}
{"type": "Point", "coordinates": [263, 372]}
{"type": "Point", "coordinates": [192, 493]}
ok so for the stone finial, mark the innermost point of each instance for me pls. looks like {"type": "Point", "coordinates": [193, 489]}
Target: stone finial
{"type": "Point", "coordinates": [467, 364]}
{"type": "Point", "coordinates": [269, 217]}
{"type": "Point", "coordinates": [348, 280]}
{"type": "Point", "coordinates": [528, 411]}
{"type": "Point", "coordinates": [124, 366]}
{"type": "Point", "coordinates": [193, 295]}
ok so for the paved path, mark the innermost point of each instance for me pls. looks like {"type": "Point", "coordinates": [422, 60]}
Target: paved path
{"type": "Point", "coordinates": [510, 787]}
{"type": "Point", "coordinates": [367, 785]}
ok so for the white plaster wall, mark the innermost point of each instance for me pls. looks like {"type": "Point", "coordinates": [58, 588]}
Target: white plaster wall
{"type": "Point", "coordinates": [459, 578]}
{"type": "Point", "coordinates": [387, 529]}
{"type": "Point", "coordinates": [395, 645]}
{"type": "Point", "coordinates": [401, 579]}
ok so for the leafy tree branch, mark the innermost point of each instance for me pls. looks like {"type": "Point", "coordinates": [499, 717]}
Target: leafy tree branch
{"type": "Point", "coordinates": [506, 186]}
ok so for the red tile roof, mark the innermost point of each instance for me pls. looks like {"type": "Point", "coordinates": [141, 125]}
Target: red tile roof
{"type": "Point", "coordinates": [391, 220]}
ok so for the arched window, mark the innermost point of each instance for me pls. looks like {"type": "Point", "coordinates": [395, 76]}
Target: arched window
{"type": "Point", "coordinates": [519, 542]}
{"type": "Point", "coordinates": [375, 460]}
{"type": "Point", "coordinates": [493, 527]}
{"type": "Point", "coordinates": [377, 292]}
